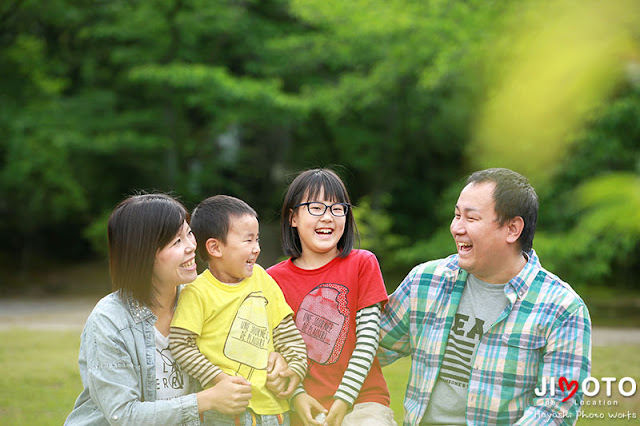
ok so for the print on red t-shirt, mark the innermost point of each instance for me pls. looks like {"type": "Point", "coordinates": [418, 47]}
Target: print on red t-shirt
{"type": "Point", "coordinates": [357, 280]}
{"type": "Point", "coordinates": [323, 322]}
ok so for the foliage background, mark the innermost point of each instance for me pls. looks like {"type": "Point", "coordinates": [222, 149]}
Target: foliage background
{"type": "Point", "coordinates": [404, 98]}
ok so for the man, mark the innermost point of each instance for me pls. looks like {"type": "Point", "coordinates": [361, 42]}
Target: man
{"type": "Point", "coordinates": [490, 332]}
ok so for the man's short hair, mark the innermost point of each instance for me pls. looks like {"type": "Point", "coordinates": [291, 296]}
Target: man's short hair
{"type": "Point", "coordinates": [513, 196]}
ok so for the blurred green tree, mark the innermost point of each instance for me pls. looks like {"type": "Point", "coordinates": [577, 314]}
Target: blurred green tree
{"type": "Point", "coordinates": [591, 227]}
{"type": "Point", "coordinates": [102, 98]}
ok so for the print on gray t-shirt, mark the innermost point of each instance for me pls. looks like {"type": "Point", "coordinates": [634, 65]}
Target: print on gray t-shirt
{"type": "Point", "coordinates": [480, 306]}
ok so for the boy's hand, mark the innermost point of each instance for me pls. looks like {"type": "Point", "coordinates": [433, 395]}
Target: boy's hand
{"type": "Point", "coordinates": [293, 379]}
{"type": "Point", "coordinates": [276, 364]}
{"type": "Point", "coordinates": [307, 408]}
{"type": "Point", "coordinates": [337, 412]}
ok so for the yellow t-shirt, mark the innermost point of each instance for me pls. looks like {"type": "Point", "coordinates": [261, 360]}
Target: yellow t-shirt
{"type": "Point", "coordinates": [234, 324]}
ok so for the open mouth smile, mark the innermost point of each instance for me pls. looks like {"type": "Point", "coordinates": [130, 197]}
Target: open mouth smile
{"type": "Point", "coordinates": [464, 247]}
{"type": "Point", "coordinates": [191, 263]}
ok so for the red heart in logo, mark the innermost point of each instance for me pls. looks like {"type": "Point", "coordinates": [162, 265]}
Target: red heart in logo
{"type": "Point", "coordinates": [572, 387]}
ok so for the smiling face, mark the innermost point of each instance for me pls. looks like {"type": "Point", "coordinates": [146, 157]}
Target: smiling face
{"type": "Point", "coordinates": [234, 259]}
{"type": "Point", "coordinates": [484, 246]}
{"type": "Point", "coordinates": [175, 263]}
{"type": "Point", "coordinates": [319, 235]}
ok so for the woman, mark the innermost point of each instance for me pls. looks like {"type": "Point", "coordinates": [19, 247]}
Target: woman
{"type": "Point", "coordinates": [127, 370]}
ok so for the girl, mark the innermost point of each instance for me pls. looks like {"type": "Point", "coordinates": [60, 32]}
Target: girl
{"type": "Point", "coordinates": [336, 294]}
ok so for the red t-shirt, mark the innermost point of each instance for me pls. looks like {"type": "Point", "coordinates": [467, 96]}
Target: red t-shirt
{"type": "Point", "coordinates": [325, 302]}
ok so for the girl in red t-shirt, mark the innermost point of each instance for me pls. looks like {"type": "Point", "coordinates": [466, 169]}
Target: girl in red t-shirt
{"type": "Point", "coordinates": [336, 293]}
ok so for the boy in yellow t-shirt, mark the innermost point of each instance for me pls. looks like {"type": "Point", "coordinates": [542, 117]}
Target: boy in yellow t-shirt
{"type": "Point", "coordinates": [234, 314]}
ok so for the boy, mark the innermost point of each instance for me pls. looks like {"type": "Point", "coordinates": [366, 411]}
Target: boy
{"type": "Point", "coordinates": [234, 314]}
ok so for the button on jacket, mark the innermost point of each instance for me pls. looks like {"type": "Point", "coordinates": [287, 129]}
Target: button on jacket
{"type": "Point", "coordinates": [118, 370]}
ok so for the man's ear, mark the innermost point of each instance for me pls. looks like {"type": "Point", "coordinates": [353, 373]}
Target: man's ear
{"type": "Point", "coordinates": [514, 229]}
{"type": "Point", "coordinates": [213, 247]}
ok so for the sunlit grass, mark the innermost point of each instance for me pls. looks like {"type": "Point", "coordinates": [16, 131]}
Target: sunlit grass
{"type": "Point", "coordinates": [40, 379]}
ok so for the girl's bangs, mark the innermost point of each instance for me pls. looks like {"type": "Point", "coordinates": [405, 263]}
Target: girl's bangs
{"type": "Point", "coordinates": [331, 190]}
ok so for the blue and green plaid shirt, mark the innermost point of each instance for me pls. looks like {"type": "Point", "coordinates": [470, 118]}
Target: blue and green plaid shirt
{"type": "Point", "coordinates": [544, 332]}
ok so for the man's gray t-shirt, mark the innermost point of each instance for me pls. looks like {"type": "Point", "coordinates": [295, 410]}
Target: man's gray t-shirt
{"type": "Point", "coordinates": [480, 306]}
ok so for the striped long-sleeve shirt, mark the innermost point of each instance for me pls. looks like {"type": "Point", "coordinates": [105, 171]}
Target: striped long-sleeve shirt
{"type": "Point", "coordinates": [367, 336]}
{"type": "Point", "coordinates": [543, 334]}
{"type": "Point", "coordinates": [286, 340]}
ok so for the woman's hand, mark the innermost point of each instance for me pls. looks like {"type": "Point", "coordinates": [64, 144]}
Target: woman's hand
{"type": "Point", "coordinates": [337, 412]}
{"type": "Point", "coordinates": [307, 408]}
{"type": "Point", "coordinates": [229, 396]}
{"type": "Point", "coordinates": [219, 378]}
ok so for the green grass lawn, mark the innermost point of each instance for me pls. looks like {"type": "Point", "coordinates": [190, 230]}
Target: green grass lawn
{"type": "Point", "coordinates": [40, 379]}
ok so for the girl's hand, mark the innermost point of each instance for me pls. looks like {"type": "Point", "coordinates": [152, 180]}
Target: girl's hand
{"type": "Point", "coordinates": [307, 408]}
{"type": "Point", "coordinates": [276, 365]}
{"type": "Point", "coordinates": [229, 396]}
{"type": "Point", "coordinates": [337, 412]}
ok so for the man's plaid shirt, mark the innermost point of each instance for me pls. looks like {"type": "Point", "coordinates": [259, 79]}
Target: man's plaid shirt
{"type": "Point", "coordinates": [544, 332]}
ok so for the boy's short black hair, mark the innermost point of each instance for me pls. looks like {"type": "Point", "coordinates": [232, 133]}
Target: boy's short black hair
{"type": "Point", "coordinates": [212, 219]}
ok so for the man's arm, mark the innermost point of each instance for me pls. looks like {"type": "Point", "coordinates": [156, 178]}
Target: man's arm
{"type": "Point", "coordinates": [394, 324]}
{"type": "Point", "coordinates": [568, 355]}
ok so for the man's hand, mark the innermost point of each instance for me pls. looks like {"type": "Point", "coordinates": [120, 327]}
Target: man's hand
{"type": "Point", "coordinates": [307, 408]}
{"type": "Point", "coordinates": [337, 412]}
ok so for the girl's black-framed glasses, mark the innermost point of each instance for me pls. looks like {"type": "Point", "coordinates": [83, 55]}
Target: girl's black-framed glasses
{"type": "Point", "coordinates": [316, 208]}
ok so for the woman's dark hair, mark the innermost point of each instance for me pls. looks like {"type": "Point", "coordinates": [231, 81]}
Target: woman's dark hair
{"type": "Point", "coordinates": [513, 196]}
{"type": "Point", "coordinates": [308, 185]}
{"type": "Point", "coordinates": [138, 227]}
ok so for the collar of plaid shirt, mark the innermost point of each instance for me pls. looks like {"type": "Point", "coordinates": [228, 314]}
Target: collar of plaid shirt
{"type": "Point", "coordinates": [545, 330]}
